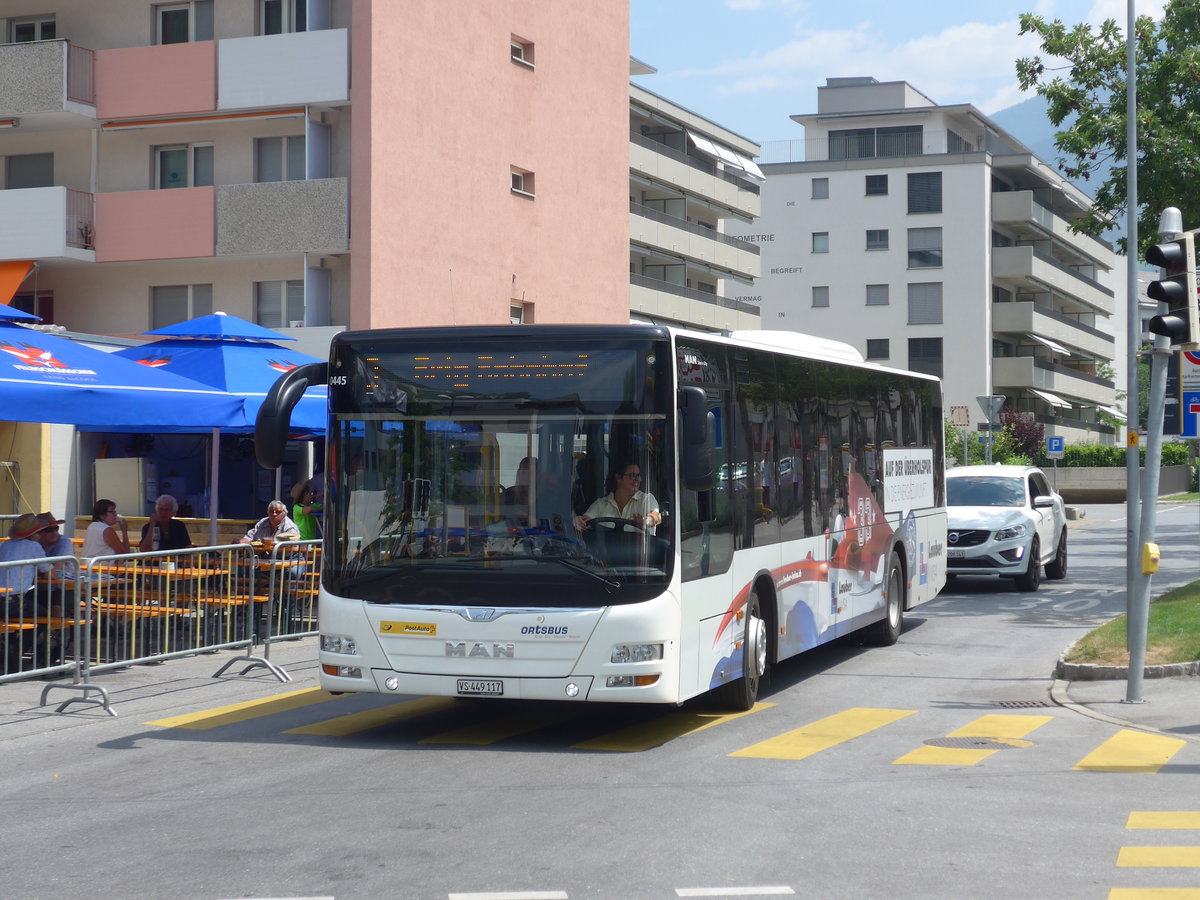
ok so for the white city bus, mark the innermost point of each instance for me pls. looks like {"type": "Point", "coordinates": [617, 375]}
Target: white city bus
{"type": "Point", "coordinates": [799, 490]}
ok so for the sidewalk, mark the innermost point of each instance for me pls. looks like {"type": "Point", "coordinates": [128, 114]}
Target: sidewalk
{"type": "Point", "coordinates": [1169, 706]}
{"type": "Point", "coordinates": [143, 692]}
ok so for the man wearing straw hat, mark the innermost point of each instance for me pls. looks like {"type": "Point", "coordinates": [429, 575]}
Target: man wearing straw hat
{"type": "Point", "coordinates": [23, 543]}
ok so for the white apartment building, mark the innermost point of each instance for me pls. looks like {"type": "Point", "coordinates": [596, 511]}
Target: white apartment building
{"type": "Point", "coordinates": [688, 178]}
{"type": "Point", "coordinates": [932, 240]}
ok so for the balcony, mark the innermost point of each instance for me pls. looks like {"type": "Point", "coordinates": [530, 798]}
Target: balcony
{"type": "Point", "coordinates": [47, 84]}
{"type": "Point", "coordinates": [1026, 264]}
{"type": "Point", "coordinates": [46, 224]}
{"type": "Point", "coordinates": [679, 238]}
{"type": "Point", "coordinates": [1024, 373]}
{"type": "Point", "coordinates": [693, 176]}
{"type": "Point", "coordinates": [1025, 317]}
{"type": "Point", "coordinates": [283, 217]}
{"type": "Point", "coordinates": [284, 69]}
{"type": "Point", "coordinates": [662, 299]}
{"type": "Point", "coordinates": [1021, 208]}
{"type": "Point", "coordinates": [142, 225]}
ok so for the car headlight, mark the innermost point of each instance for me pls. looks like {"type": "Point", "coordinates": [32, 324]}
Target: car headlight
{"type": "Point", "coordinates": [1011, 533]}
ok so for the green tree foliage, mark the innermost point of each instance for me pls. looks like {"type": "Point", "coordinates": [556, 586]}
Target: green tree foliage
{"type": "Point", "coordinates": [1082, 75]}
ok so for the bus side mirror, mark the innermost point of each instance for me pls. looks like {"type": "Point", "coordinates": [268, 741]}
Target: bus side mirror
{"type": "Point", "coordinates": [274, 417]}
{"type": "Point", "coordinates": [696, 450]}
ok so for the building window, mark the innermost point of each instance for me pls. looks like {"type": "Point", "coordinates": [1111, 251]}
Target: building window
{"type": "Point", "coordinates": [877, 348]}
{"type": "Point", "coordinates": [877, 239]}
{"type": "Point", "coordinates": [820, 242]}
{"type": "Point", "coordinates": [925, 192]}
{"type": "Point", "coordinates": [956, 143]}
{"type": "Point", "coordinates": [869, 143]}
{"type": "Point", "coordinates": [25, 29]}
{"type": "Point", "coordinates": [820, 189]}
{"type": "Point", "coordinates": [925, 303]}
{"type": "Point", "coordinates": [877, 185]}
{"type": "Point", "coordinates": [172, 303]}
{"type": "Point", "coordinates": [40, 304]}
{"type": "Point", "coordinates": [279, 158]}
{"type": "Point", "coordinates": [183, 165]}
{"type": "Point", "coordinates": [925, 355]}
{"type": "Point", "coordinates": [820, 296]}
{"type": "Point", "coordinates": [520, 51]}
{"type": "Point", "coordinates": [522, 182]}
{"type": "Point", "coordinates": [283, 16]}
{"type": "Point", "coordinates": [29, 170]}
{"type": "Point", "coordinates": [1001, 295]}
{"type": "Point", "coordinates": [180, 23]}
{"type": "Point", "coordinates": [279, 304]}
{"type": "Point", "coordinates": [924, 248]}
{"type": "Point", "coordinates": [877, 295]}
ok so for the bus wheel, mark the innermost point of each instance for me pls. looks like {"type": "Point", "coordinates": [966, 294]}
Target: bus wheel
{"type": "Point", "coordinates": [742, 693]}
{"type": "Point", "coordinates": [886, 632]}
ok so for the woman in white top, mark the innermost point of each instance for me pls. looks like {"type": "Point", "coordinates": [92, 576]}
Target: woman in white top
{"type": "Point", "coordinates": [101, 537]}
{"type": "Point", "coordinates": [626, 500]}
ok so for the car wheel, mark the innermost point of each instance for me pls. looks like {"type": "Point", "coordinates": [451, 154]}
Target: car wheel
{"type": "Point", "coordinates": [1032, 576]}
{"type": "Point", "coordinates": [886, 632]}
{"type": "Point", "coordinates": [742, 693]}
{"type": "Point", "coordinates": [1057, 568]}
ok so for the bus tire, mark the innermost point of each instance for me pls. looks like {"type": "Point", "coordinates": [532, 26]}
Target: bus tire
{"type": "Point", "coordinates": [742, 693]}
{"type": "Point", "coordinates": [886, 631]}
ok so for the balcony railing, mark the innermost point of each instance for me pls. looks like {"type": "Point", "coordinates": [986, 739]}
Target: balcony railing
{"type": "Point", "coordinates": [824, 149]}
{"type": "Point", "coordinates": [700, 164]}
{"type": "Point", "coordinates": [81, 220]}
{"type": "Point", "coordinates": [657, 284]}
{"type": "Point", "coordinates": [81, 74]}
{"type": "Point", "coordinates": [692, 228]}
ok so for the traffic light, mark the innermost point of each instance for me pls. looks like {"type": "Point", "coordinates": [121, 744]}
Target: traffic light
{"type": "Point", "coordinates": [1177, 289]}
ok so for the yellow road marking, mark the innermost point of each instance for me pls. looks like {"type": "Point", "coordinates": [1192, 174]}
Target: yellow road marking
{"type": "Point", "coordinates": [1004, 729]}
{"type": "Point", "coordinates": [484, 733]}
{"type": "Point", "coordinates": [1154, 894]}
{"type": "Point", "coordinates": [374, 718]}
{"type": "Point", "coordinates": [242, 712]}
{"type": "Point", "coordinates": [1160, 857]}
{"type": "Point", "coordinates": [824, 733]}
{"type": "Point", "coordinates": [1131, 751]}
{"type": "Point", "coordinates": [1169, 819]}
{"type": "Point", "coordinates": [663, 729]}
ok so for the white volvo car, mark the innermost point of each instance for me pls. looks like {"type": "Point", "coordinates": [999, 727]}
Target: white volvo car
{"type": "Point", "coordinates": [1005, 520]}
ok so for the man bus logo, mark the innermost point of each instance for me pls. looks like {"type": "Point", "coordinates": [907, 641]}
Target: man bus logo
{"type": "Point", "coordinates": [478, 650]}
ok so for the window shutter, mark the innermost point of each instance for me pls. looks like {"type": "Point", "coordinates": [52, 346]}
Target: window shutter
{"type": "Point", "coordinates": [925, 192]}
{"type": "Point", "coordinates": [925, 304]}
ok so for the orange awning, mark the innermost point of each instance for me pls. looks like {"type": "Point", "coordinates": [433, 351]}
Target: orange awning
{"type": "Point", "coordinates": [11, 276]}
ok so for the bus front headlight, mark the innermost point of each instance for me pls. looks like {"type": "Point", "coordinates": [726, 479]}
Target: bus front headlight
{"type": "Point", "coordinates": [338, 643]}
{"type": "Point", "coordinates": [629, 653]}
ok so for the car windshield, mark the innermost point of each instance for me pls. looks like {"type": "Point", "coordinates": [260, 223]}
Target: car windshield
{"type": "Point", "coordinates": [979, 490]}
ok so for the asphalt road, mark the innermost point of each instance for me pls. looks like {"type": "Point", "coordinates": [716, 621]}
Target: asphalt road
{"type": "Point", "coordinates": [935, 768]}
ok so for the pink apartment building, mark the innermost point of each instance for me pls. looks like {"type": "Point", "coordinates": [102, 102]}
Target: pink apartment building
{"type": "Point", "coordinates": [311, 164]}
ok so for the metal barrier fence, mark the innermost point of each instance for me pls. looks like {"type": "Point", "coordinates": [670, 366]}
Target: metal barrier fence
{"type": "Point", "coordinates": [66, 617]}
{"type": "Point", "coordinates": [42, 634]}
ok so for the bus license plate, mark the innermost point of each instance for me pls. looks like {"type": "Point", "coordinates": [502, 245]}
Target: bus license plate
{"type": "Point", "coordinates": [480, 688]}
{"type": "Point", "coordinates": [956, 554]}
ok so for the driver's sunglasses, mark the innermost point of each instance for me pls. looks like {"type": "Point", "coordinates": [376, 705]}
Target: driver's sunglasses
{"type": "Point", "coordinates": [631, 475]}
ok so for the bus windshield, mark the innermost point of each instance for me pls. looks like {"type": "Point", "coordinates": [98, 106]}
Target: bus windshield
{"type": "Point", "coordinates": [467, 472]}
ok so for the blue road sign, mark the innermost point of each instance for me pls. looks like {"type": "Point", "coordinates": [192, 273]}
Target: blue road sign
{"type": "Point", "coordinates": [1054, 447]}
{"type": "Point", "coordinates": [1190, 413]}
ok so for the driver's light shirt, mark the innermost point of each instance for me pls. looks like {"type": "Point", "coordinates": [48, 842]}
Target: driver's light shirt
{"type": "Point", "coordinates": [641, 503]}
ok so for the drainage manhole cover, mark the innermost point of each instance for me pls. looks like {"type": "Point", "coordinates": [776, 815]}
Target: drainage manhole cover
{"type": "Point", "coordinates": [1023, 704]}
{"type": "Point", "coordinates": [978, 743]}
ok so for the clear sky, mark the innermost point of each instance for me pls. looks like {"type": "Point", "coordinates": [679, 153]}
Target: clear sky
{"type": "Point", "coordinates": [749, 64]}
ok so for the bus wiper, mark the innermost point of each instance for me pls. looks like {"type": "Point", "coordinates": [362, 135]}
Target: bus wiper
{"type": "Point", "coordinates": [610, 586]}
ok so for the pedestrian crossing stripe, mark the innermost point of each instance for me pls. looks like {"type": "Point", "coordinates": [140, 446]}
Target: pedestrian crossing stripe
{"type": "Point", "coordinates": [243, 712]}
{"type": "Point", "coordinates": [1159, 857]}
{"type": "Point", "coordinates": [1001, 729]}
{"type": "Point", "coordinates": [1163, 819]}
{"type": "Point", "coordinates": [663, 729]}
{"type": "Point", "coordinates": [374, 718]}
{"type": "Point", "coordinates": [824, 733]}
{"type": "Point", "coordinates": [1131, 751]}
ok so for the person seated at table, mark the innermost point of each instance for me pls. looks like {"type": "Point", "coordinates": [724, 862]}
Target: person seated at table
{"type": "Point", "coordinates": [305, 510]}
{"type": "Point", "coordinates": [24, 543]}
{"type": "Point", "coordinates": [163, 527]}
{"type": "Point", "coordinates": [56, 543]}
{"type": "Point", "coordinates": [102, 537]}
{"type": "Point", "coordinates": [275, 526]}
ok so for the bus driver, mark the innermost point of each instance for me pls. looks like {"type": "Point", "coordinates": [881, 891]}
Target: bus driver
{"type": "Point", "coordinates": [625, 500]}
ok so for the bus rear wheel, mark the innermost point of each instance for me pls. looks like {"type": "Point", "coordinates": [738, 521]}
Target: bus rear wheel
{"type": "Point", "coordinates": [742, 693]}
{"type": "Point", "coordinates": [886, 632]}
